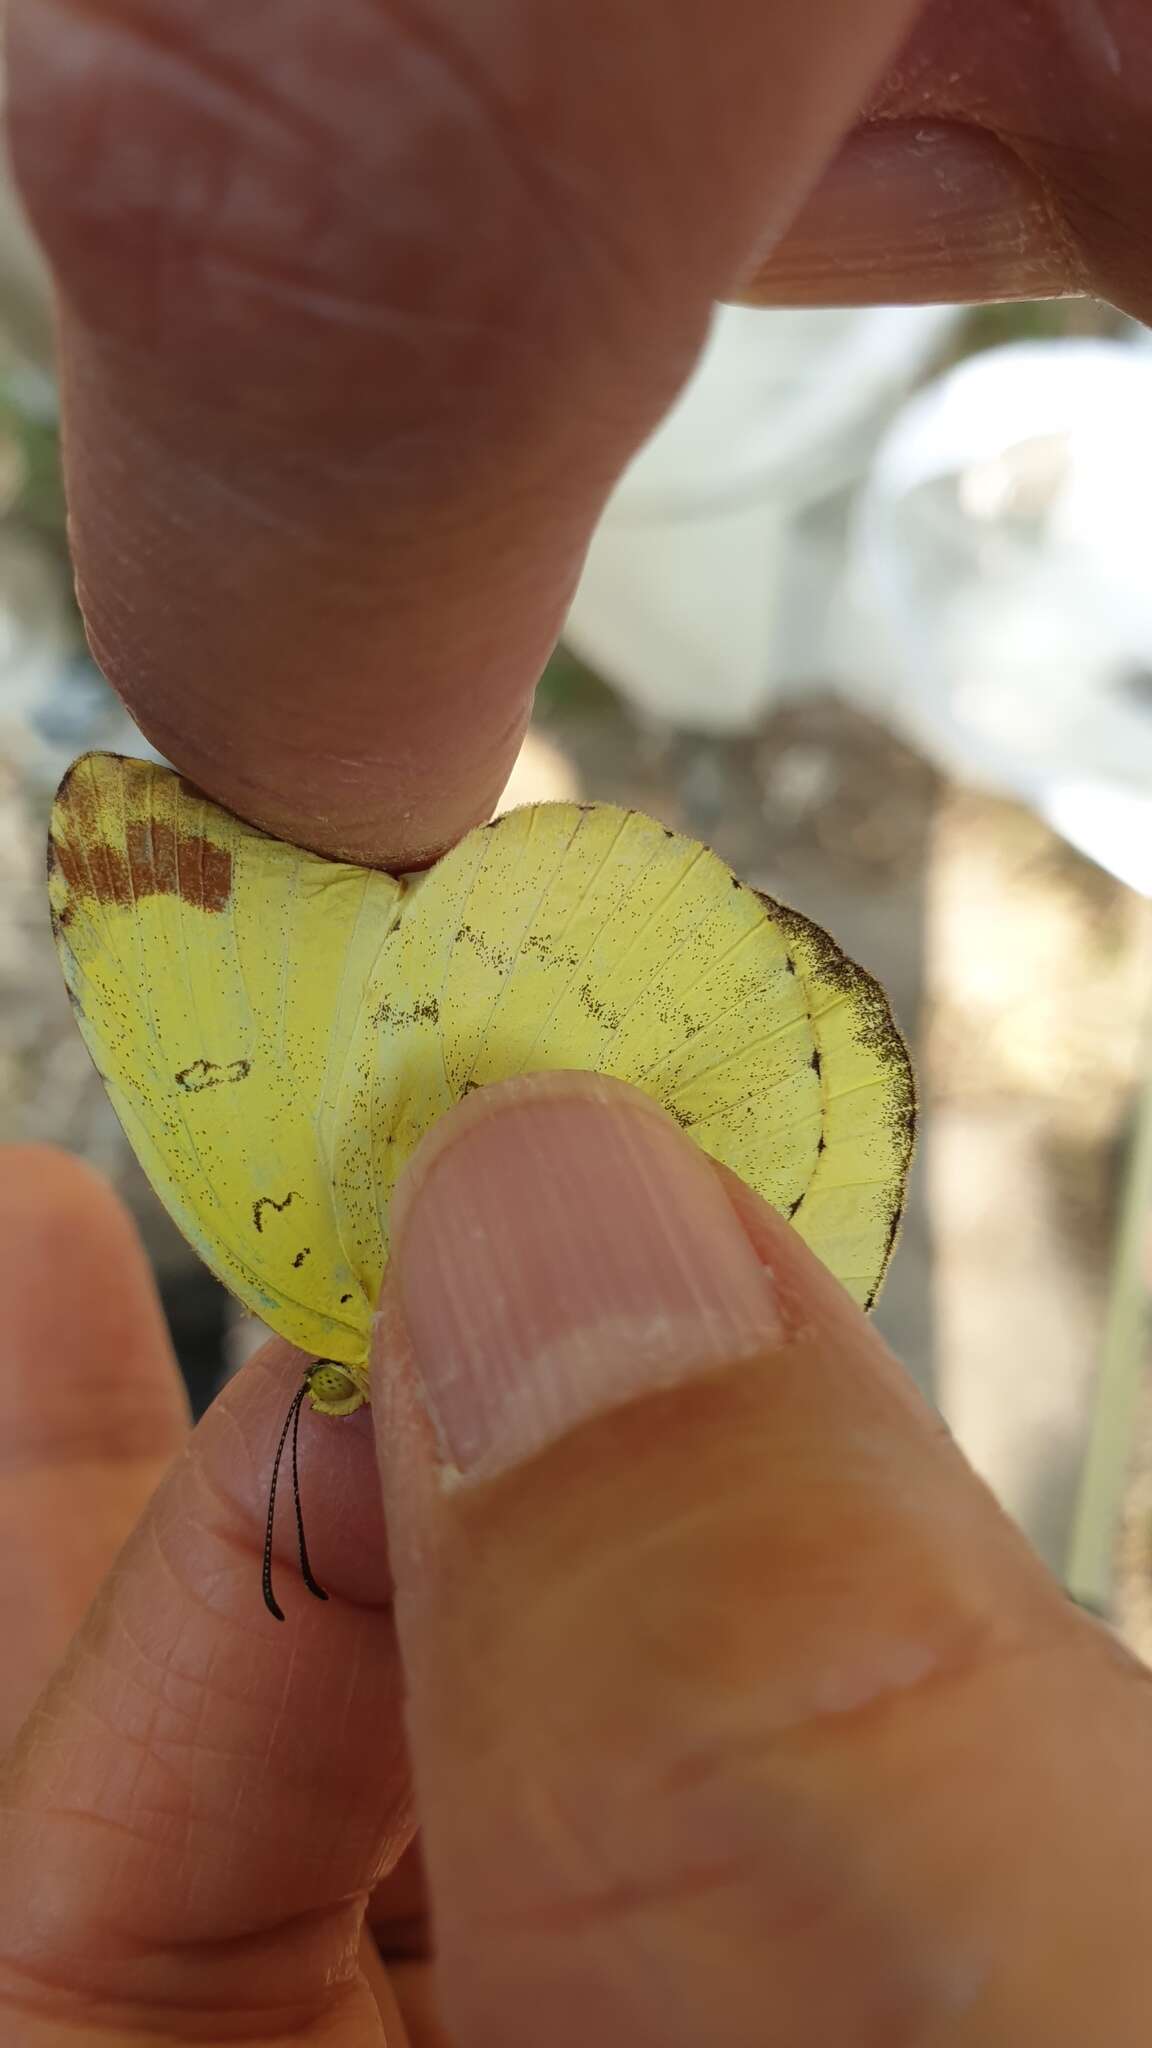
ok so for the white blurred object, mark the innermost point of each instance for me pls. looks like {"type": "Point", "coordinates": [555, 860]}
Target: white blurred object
{"type": "Point", "coordinates": [54, 703]}
{"type": "Point", "coordinates": [1000, 606]}
{"type": "Point", "coordinates": [37, 638]}
{"type": "Point", "coordinates": [705, 591]}
{"type": "Point", "coordinates": [541, 774]}
{"type": "Point", "coordinates": [25, 285]}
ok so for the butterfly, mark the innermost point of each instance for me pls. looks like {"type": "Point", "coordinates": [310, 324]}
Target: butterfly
{"type": "Point", "coordinates": [277, 1031]}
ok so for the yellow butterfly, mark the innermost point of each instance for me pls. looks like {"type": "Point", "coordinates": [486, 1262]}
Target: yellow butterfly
{"type": "Point", "coordinates": [277, 1031]}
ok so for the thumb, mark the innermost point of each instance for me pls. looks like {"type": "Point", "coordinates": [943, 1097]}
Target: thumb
{"type": "Point", "coordinates": [738, 1711]}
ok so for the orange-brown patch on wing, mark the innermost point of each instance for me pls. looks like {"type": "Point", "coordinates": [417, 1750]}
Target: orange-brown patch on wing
{"type": "Point", "coordinates": [95, 869]}
{"type": "Point", "coordinates": [155, 862]}
{"type": "Point", "coordinates": [205, 871]}
{"type": "Point", "coordinates": [152, 858]}
{"type": "Point", "coordinates": [163, 862]}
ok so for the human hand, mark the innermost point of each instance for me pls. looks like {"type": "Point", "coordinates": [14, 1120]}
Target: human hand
{"type": "Point", "coordinates": [329, 607]}
{"type": "Point", "coordinates": [737, 1711]}
{"type": "Point", "coordinates": [363, 308]}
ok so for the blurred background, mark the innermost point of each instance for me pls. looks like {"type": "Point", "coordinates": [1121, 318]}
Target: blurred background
{"type": "Point", "coordinates": [871, 614]}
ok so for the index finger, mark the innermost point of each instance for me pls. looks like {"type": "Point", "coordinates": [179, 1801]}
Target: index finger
{"type": "Point", "coordinates": [362, 310]}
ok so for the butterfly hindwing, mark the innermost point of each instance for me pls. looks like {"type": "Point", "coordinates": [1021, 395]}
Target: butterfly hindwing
{"type": "Point", "coordinates": [585, 936]}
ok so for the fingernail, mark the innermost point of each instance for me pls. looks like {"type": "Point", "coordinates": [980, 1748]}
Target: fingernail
{"type": "Point", "coordinates": [561, 1247]}
{"type": "Point", "coordinates": [921, 210]}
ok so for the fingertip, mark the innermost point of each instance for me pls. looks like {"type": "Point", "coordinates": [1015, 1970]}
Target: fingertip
{"type": "Point", "coordinates": [923, 212]}
{"type": "Point", "coordinates": [562, 1247]}
{"type": "Point", "coordinates": [39, 1179]}
{"type": "Point", "coordinates": [51, 1203]}
{"type": "Point", "coordinates": [85, 1356]}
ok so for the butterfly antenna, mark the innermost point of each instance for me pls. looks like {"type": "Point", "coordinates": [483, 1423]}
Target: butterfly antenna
{"type": "Point", "coordinates": [306, 1572]}
{"type": "Point", "coordinates": [291, 1422]}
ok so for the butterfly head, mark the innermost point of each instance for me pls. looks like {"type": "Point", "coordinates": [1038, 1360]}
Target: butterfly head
{"type": "Point", "coordinates": [337, 1389]}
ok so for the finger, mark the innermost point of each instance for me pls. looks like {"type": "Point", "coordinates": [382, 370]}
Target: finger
{"type": "Point", "coordinates": [202, 1799]}
{"type": "Point", "coordinates": [398, 1909]}
{"type": "Point", "coordinates": [414, 1988]}
{"type": "Point", "coordinates": [362, 310]}
{"type": "Point", "coordinates": [738, 1710]}
{"type": "Point", "coordinates": [923, 212]}
{"type": "Point", "coordinates": [93, 1405]}
{"type": "Point", "coordinates": [1006, 157]}
{"type": "Point", "coordinates": [396, 2029]}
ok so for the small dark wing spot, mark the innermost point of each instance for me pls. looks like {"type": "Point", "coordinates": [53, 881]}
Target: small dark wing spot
{"type": "Point", "coordinates": [212, 1074]}
{"type": "Point", "coordinates": [493, 956]}
{"type": "Point", "coordinates": [795, 1205]}
{"type": "Point", "coordinates": [553, 956]}
{"type": "Point", "coordinates": [426, 1011]}
{"type": "Point", "coordinates": [301, 1256]}
{"type": "Point", "coordinates": [344, 1298]}
{"type": "Point", "coordinates": [600, 1011]}
{"type": "Point", "coordinates": [270, 1202]}
{"type": "Point", "coordinates": [816, 1063]}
